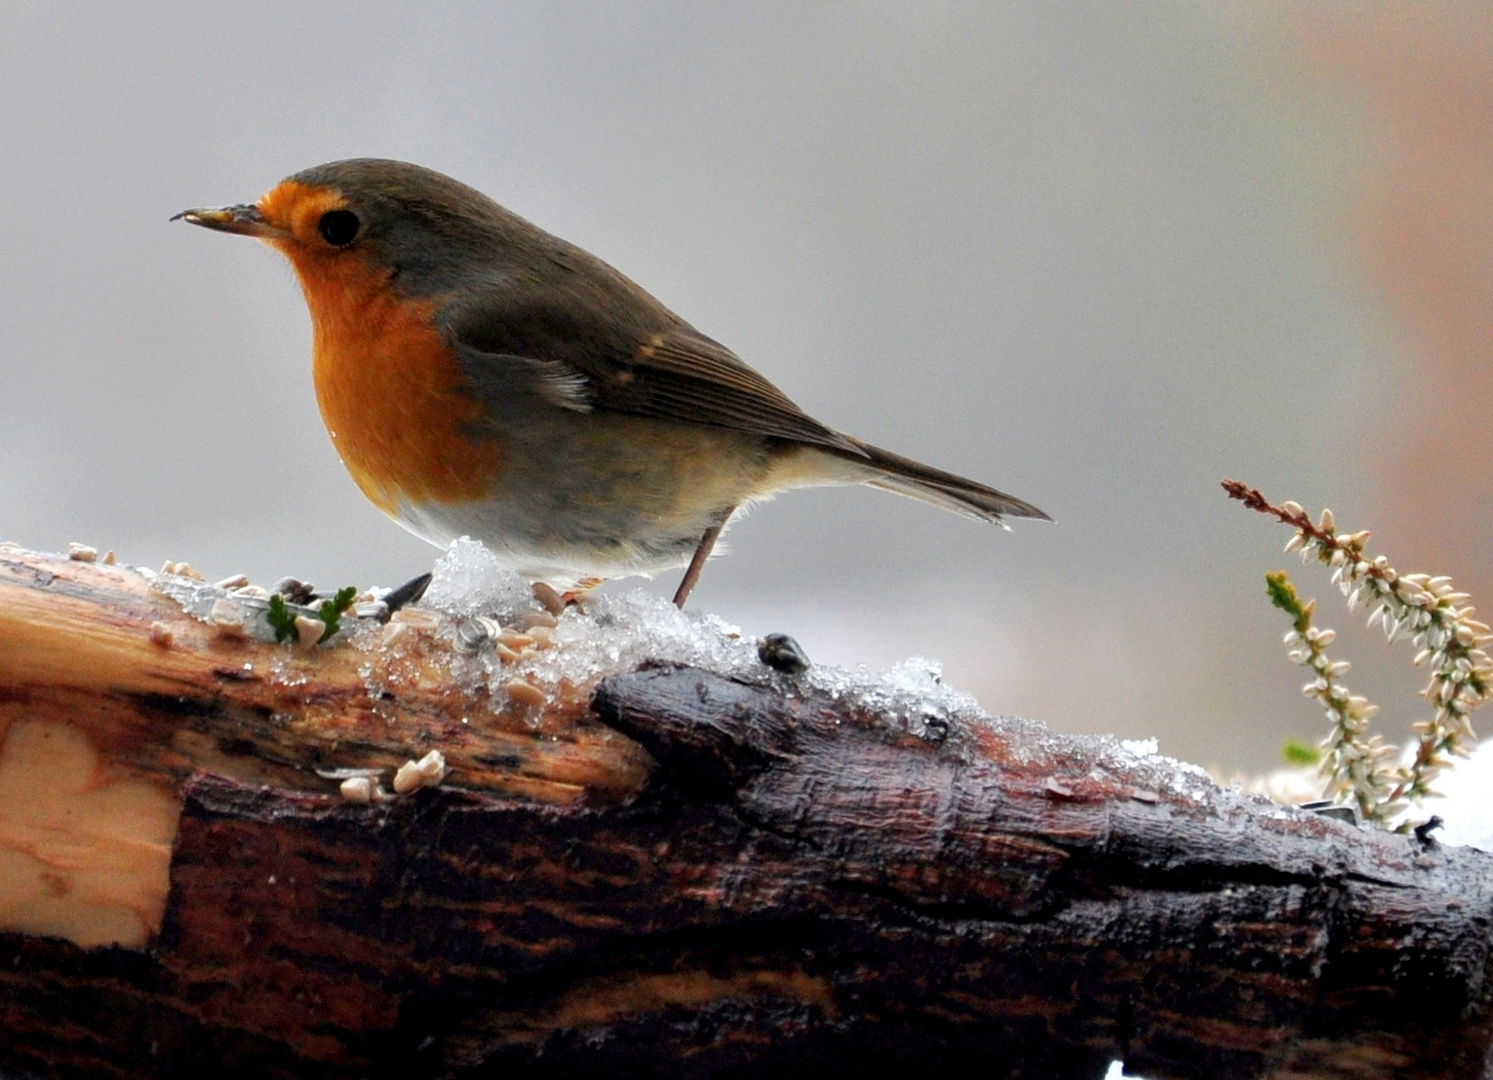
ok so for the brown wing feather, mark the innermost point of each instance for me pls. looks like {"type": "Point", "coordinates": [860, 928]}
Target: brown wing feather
{"type": "Point", "coordinates": [613, 347]}
{"type": "Point", "coordinates": [683, 375]}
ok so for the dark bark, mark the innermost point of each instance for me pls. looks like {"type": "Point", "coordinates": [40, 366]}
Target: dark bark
{"type": "Point", "coordinates": [798, 888]}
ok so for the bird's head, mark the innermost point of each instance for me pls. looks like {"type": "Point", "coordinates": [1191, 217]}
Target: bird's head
{"type": "Point", "coordinates": [408, 226]}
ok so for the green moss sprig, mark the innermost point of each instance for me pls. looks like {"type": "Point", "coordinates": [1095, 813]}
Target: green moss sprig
{"type": "Point", "coordinates": [330, 612]}
{"type": "Point", "coordinates": [281, 621]}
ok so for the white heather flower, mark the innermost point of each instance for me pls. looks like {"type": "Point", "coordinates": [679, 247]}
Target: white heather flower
{"type": "Point", "coordinates": [1438, 619]}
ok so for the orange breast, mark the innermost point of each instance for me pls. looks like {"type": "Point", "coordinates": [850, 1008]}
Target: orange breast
{"type": "Point", "coordinates": [390, 390]}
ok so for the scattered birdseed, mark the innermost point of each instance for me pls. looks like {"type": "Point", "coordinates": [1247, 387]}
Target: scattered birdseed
{"type": "Point", "coordinates": [181, 569]}
{"type": "Point", "coordinates": [531, 619]}
{"type": "Point", "coordinates": [781, 653]}
{"type": "Point", "coordinates": [416, 618]}
{"type": "Point", "coordinates": [392, 633]}
{"type": "Point", "coordinates": [237, 581]}
{"type": "Point", "coordinates": [358, 789]}
{"type": "Point", "coordinates": [252, 592]}
{"type": "Point", "coordinates": [308, 631]}
{"type": "Point", "coordinates": [476, 633]}
{"type": "Point", "coordinates": [543, 636]}
{"type": "Point", "coordinates": [505, 654]}
{"type": "Point", "coordinates": [81, 552]}
{"type": "Point", "coordinates": [340, 774]}
{"type": "Point", "coordinates": [109, 558]}
{"type": "Point", "coordinates": [228, 617]}
{"type": "Point", "coordinates": [371, 609]}
{"type": "Point", "coordinates": [521, 692]}
{"type": "Point", "coordinates": [552, 601]}
{"type": "Point", "coordinates": [429, 771]}
{"type": "Point", "coordinates": [515, 639]}
{"type": "Point", "coordinates": [162, 634]}
{"type": "Point", "coordinates": [1328, 808]}
{"type": "Point", "coordinates": [294, 590]}
{"type": "Point", "coordinates": [408, 593]}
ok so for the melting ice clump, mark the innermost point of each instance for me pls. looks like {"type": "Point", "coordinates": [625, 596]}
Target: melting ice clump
{"type": "Point", "coordinates": [615, 633]}
{"type": "Point", "coordinates": [468, 580]}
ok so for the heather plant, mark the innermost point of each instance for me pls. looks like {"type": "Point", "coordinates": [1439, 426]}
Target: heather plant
{"type": "Point", "coordinates": [1359, 769]}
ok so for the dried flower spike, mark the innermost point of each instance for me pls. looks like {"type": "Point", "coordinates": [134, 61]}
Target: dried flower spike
{"type": "Point", "coordinates": [1440, 624]}
{"type": "Point", "coordinates": [1355, 769]}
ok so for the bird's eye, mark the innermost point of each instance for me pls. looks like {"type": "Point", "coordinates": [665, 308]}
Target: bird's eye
{"type": "Point", "coordinates": [339, 227]}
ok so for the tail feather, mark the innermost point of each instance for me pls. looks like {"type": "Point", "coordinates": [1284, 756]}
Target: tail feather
{"type": "Point", "coordinates": [918, 481]}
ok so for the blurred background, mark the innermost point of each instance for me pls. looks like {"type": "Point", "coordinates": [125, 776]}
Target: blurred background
{"type": "Point", "coordinates": [1098, 255]}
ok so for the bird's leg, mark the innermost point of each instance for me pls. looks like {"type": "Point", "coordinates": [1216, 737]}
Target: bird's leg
{"type": "Point", "coordinates": [696, 564]}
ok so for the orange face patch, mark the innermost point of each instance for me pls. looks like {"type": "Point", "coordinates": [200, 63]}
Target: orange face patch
{"type": "Point", "coordinates": [390, 390]}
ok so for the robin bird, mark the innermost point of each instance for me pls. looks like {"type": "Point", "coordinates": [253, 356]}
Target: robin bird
{"type": "Point", "coordinates": [480, 377]}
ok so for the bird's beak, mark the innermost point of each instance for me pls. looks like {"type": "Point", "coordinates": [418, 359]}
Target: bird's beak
{"type": "Point", "coordinates": [244, 219]}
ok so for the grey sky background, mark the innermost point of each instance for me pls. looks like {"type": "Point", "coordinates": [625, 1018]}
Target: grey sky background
{"type": "Point", "coordinates": [1067, 249]}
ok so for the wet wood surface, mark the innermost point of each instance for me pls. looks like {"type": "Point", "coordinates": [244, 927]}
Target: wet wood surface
{"type": "Point", "coordinates": [676, 874]}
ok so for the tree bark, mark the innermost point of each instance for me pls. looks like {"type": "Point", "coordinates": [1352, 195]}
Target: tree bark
{"type": "Point", "coordinates": [670, 873]}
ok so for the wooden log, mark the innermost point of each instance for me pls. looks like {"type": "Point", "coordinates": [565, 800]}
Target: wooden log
{"type": "Point", "coordinates": [670, 874]}
{"type": "Point", "coordinates": [111, 696]}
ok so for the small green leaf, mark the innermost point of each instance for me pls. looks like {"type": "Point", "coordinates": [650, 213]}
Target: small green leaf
{"type": "Point", "coordinates": [280, 619]}
{"type": "Point", "coordinates": [331, 610]}
{"type": "Point", "coordinates": [1297, 752]}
